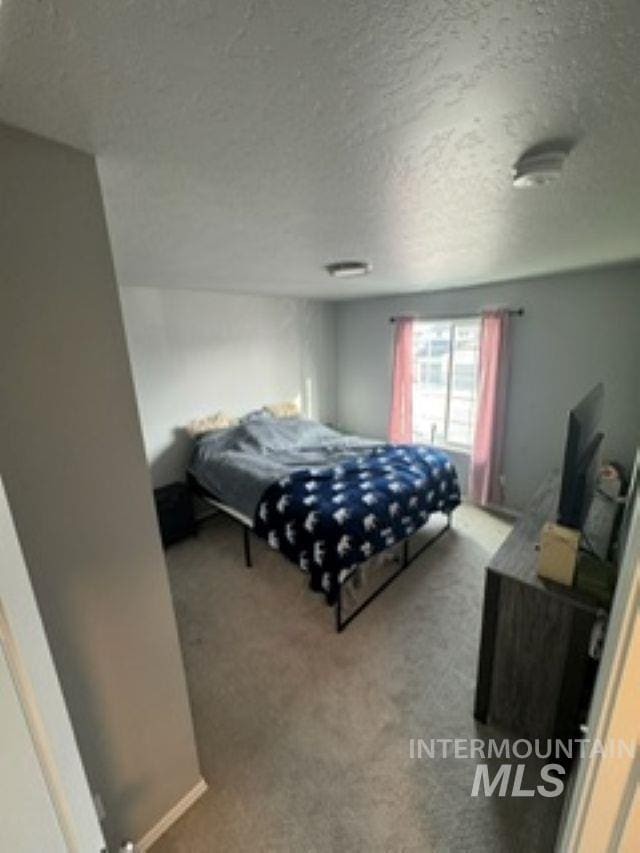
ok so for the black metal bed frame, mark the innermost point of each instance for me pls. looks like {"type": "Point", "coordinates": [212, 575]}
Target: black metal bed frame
{"type": "Point", "coordinates": [405, 562]}
{"type": "Point", "coordinates": [336, 593]}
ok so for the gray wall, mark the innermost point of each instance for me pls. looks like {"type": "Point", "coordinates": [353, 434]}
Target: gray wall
{"type": "Point", "coordinates": [194, 352]}
{"type": "Point", "coordinates": [72, 460]}
{"type": "Point", "coordinates": [578, 329]}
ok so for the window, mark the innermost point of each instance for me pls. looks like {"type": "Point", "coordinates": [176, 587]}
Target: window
{"type": "Point", "coordinates": [445, 359]}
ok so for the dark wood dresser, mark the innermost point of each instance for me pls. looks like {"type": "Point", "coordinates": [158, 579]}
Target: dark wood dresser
{"type": "Point", "coordinates": [534, 667]}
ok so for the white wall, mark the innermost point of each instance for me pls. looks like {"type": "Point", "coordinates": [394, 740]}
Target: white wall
{"type": "Point", "coordinates": [195, 352]}
{"type": "Point", "coordinates": [577, 329]}
{"type": "Point", "coordinates": [72, 460]}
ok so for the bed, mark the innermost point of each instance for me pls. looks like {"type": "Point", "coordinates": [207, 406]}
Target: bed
{"type": "Point", "coordinates": [327, 501]}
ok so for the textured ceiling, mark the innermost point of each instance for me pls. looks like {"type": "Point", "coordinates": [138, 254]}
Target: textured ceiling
{"type": "Point", "coordinates": [242, 145]}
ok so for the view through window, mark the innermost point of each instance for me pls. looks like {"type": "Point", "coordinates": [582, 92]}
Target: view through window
{"type": "Point", "coordinates": [445, 380]}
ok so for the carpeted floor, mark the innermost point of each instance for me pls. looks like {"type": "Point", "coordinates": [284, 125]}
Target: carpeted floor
{"type": "Point", "coordinates": [304, 734]}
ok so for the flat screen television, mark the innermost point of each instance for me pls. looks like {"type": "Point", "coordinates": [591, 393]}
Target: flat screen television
{"type": "Point", "coordinates": [581, 458]}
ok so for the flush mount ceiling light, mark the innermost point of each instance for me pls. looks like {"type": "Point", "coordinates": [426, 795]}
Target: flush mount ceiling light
{"type": "Point", "coordinates": [539, 166]}
{"type": "Point", "coordinates": [348, 269]}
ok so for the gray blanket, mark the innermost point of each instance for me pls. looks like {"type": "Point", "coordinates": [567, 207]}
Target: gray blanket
{"type": "Point", "coordinates": [236, 465]}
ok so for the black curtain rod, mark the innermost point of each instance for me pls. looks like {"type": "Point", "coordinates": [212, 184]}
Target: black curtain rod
{"type": "Point", "coordinates": [513, 312]}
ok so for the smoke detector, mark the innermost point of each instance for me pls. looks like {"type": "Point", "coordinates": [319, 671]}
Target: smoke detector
{"type": "Point", "coordinates": [348, 269]}
{"type": "Point", "coordinates": [537, 168]}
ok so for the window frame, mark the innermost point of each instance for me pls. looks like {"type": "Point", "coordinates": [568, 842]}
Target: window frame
{"type": "Point", "coordinates": [452, 323]}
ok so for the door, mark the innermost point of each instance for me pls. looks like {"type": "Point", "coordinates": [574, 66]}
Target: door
{"type": "Point", "coordinates": [603, 814]}
{"type": "Point", "coordinates": [29, 821]}
{"type": "Point", "coordinates": [45, 802]}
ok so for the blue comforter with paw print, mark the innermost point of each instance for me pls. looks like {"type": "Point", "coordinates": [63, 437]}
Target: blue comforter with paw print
{"type": "Point", "coordinates": [331, 518]}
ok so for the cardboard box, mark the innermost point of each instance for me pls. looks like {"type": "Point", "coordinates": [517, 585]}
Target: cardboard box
{"type": "Point", "coordinates": [558, 553]}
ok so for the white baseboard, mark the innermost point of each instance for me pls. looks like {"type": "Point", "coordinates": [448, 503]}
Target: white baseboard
{"type": "Point", "coordinates": [500, 509]}
{"type": "Point", "coordinates": [515, 514]}
{"type": "Point", "coordinates": [171, 817]}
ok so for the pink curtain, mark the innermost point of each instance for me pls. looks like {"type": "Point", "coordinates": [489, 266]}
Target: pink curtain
{"type": "Point", "coordinates": [401, 417]}
{"type": "Point", "coordinates": [486, 455]}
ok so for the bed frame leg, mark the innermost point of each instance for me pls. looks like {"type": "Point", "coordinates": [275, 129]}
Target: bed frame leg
{"type": "Point", "coordinates": [338, 608]}
{"type": "Point", "coordinates": [247, 547]}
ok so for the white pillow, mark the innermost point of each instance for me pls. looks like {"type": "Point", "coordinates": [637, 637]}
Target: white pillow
{"type": "Point", "coordinates": [206, 424]}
